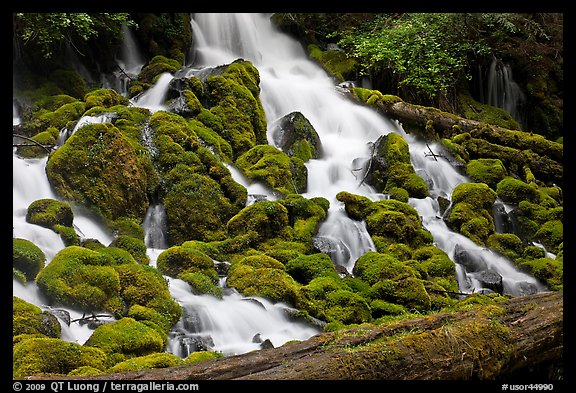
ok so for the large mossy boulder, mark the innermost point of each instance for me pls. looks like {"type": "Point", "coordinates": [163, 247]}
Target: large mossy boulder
{"type": "Point", "coordinates": [266, 219]}
{"type": "Point", "coordinates": [37, 356]}
{"type": "Point", "coordinates": [486, 170]}
{"type": "Point", "coordinates": [233, 94]}
{"type": "Point", "coordinates": [99, 168]}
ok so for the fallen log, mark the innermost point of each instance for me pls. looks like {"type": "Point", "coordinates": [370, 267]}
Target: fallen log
{"type": "Point", "coordinates": [519, 337]}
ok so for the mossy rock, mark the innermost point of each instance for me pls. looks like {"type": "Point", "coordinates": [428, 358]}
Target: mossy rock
{"type": "Point", "coordinates": [27, 258]}
{"type": "Point", "coordinates": [305, 268]}
{"type": "Point", "coordinates": [202, 284]}
{"type": "Point", "coordinates": [233, 93]}
{"type": "Point", "coordinates": [271, 166]}
{"type": "Point", "coordinates": [145, 286]}
{"type": "Point", "coordinates": [187, 203]}
{"type": "Point", "coordinates": [105, 98]}
{"type": "Point", "coordinates": [512, 190]}
{"type": "Point", "coordinates": [335, 62]}
{"type": "Point", "coordinates": [29, 319]}
{"type": "Point", "coordinates": [297, 137]}
{"type": "Point", "coordinates": [268, 219]}
{"type": "Point", "coordinates": [147, 362]}
{"type": "Point", "coordinates": [507, 244]}
{"type": "Point", "coordinates": [125, 339]}
{"type": "Point", "coordinates": [305, 215]}
{"type": "Point", "coordinates": [178, 260]}
{"type": "Point", "coordinates": [273, 284]}
{"type": "Point", "coordinates": [486, 170]}
{"type": "Point", "coordinates": [37, 356]}
{"type": "Point", "coordinates": [551, 235]}
{"type": "Point", "coordinates": [136, 247]}
{"type": "Point", "coordinates": [83, 279]}
{"type": "Point", "coordinates": [471, 211]}
{"type": "Point", "coordinates": [98, 168]}
{"type": "Point", "coordinates": [547, 270]}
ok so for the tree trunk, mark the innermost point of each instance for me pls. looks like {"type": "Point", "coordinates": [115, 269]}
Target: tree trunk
{"type": "Point", "coordinates": [522, 336]}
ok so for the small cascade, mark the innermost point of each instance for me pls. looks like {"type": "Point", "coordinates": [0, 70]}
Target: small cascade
{"type": "Point", "coordinates": [155, 227]}
{"type": "Point", "coordinates": [503, 92]}
{"type": "Point", "coordinates": [232, 325]}
{"type": "Point", "coordinates": [153, 98]}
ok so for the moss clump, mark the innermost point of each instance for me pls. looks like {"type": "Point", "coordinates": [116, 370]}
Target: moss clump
{"type": "Point", "coordinates": [27, 258]}
{"type": "Point", "coordinates": [99, 168]}
{"type": "Point", "coordinates": [126, 338]}
{"type": "Point", "coordinates": [305, 216]}
{"type": "Point", "coordinates": [267, 219]}
{"type": "Point", "coordinates": [201, 356]}
{"type": "Point", "coordinates": [234, 89]}
{"type": "Point", "coordinates": [136, 247]}
{"type": "Point", "coordinates": [179, 260]}
{"type": "Point", "coordinates": [391, 167]}
{"type": "Point", "coordinates": [146, 362]}
{"type": "Point", "coordinates": [37, 356]}
{"type": "Point", "coordinates": [267, 164]}
{"type": "Point", "coordinates": [29, 319]}
{"type": "Point", "coordinates": [271, 283]}
{"type": "Point", "coordinates": [105, 98]}
{"type": "Point", "coordinates": [549, 271]}
{"type": "Point", "coordinates": [512, 190]}
{"type": "Point", "coordinates": [486, 170]}
{"type": "Point", "coordinates": [305, 268]}
{"type": "Point", "coordinates": [81, 278]}
{"type": "Point", "coordinates": [471, 211]}
{"type": "Point", "coordinates": [507, 244]}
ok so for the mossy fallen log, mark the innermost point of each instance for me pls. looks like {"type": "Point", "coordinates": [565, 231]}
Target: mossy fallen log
{"type": "Point", "coordinates": [516, 338]}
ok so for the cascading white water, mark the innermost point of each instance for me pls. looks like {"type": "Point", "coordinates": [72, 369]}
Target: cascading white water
{"type": "Point", "coordinates": [502, 91]}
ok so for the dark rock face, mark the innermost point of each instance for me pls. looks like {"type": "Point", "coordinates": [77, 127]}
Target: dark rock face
{"type": "Point", "coordinates": [297, 137]}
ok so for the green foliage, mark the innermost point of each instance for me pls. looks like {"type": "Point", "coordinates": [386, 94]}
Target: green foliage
{"type": "Point", "coordinates": [27, 258]}
{"type": "Point", "coordinates": [47, 31]}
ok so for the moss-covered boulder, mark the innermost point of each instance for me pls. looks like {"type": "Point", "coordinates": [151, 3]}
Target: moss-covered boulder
{"type": "Point", "coordinates": [104, 98]}
{"type": "Point", "coordinates": [125, 339]}
{"type": "Point", "coordinates": [268, 282]}
{"type": "Point", "coordinates": [99, 168]}
{"type": "Point", "coordinates": [486, 170]}
{"type": "Point", "coordinates": [305, 216]}
{"type": "Point", "coordinates": [267, 219]}
{"type": "Point", "coordinates": [271, 166]}
{"type": "Point", "coordinates": [471, 211]}
{"type": "Point", "coordinates": [305, 268]}
{"type": "Point", "coordinates": [332, 300]}
{"type": "Point", "coordinates": [390, 167]}
{"type": "Point", "coordinates": [29, 319]}
{"type": "Point", "coordinates": [233, 95]}
{"type": "Point", "coordinates": [81, 278]}
{"type": "Point", "coordinates": [135, 246]}
{"type": "Point", "coordinates": [27, 258]}
{"type": "Point", "coordinates": [336, 62]}
{"type": "Point", "coordinates": [511, 190]}
{"type": "Point", "coordinates": [37, 356]}
{"type": "Point", "coordinates": [180, 261]}
{"type": "Point", "coordinates": [294, 134]}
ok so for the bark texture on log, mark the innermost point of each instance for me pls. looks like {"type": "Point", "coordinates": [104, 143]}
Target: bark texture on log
{"type": "Point", "coordinates": [521, 336]}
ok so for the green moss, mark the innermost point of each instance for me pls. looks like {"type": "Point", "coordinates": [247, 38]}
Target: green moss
{"type": "Point", "coordinates": [202, 284]}
{"type": "Point", "coordinates": [135, 246]}
{"type": "Point", "coordinates": [146, 362]}
{"type": "Point", "coordinates": [549, 271]}
{"type": "Point", "coordinates": [273, 284]}
{"type": "Point", "coordinates": [177, 260]}
{"type": "Point", "coordinates": [145, 286]}
{"type": "Point", "coordinates": [29, 319]}
{"type": "Point", "coordinates": [98, 168]}
{"type": "Point", "coordinates": [335, 62]}
{"type": "Point", "coordinates": [201, 356]}
{"type": "Point", "coordinates": [486, 170]}
{"type": "Point", "coordinates": [105, 98]}
{"type": "Point", "coordinates": [37, 356]}
{"type": "Point", "coordinates": [27, 257]}
{"type": "Point", "coordinates": [551, 235]}
{"type": "Point", "coordinates": [305, 268]}
{"type": "Point", "coordinates": [126, 338]}
{"type": "Point", "coordinates": [81, 278]}
{"type": "Point", "coordinates": [512, 190]}
{"type": "Point", "coordinates": [268, 219]}
{"type": "Point", "coordinates": [506, 244]}
{"type": "Point", "coordinates": [269, 165]}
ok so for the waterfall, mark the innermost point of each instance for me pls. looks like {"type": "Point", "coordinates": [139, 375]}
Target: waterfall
{"type": "Point", "coordinates": [503, 92]}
